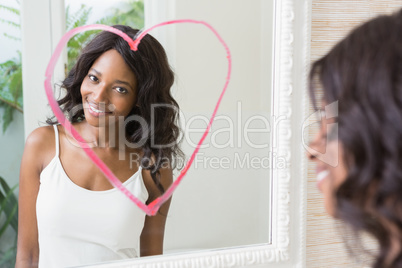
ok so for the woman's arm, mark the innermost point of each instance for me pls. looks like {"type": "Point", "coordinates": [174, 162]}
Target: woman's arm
{"type": "Point", "coordinates": [151, 241]}
{"type": "Point", "coordinates": [35, 154]}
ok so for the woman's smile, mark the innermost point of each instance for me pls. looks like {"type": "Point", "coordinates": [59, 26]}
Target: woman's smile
{"type": "Point", "coordinates": [321, 175]}
{"type": "Point", "coordinates": [96, 110]}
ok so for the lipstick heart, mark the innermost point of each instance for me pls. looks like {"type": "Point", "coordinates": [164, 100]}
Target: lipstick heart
{"type": "Point", "coordinates": [154, 206]}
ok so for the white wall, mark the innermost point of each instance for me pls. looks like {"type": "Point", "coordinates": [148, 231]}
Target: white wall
{"type": "Point", "coordinates": [222, 207]}
{"type": "Point", "coordinates": [42, 28]}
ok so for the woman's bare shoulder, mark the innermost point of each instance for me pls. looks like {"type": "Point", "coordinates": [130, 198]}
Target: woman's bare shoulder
{"type": "Point", "coordinates": [40, 145]}
{"type": "Point", "coordinates": [41, 137]}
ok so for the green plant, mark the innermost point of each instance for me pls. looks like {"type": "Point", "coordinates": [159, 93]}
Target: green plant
{"type": "Point", "coordinates": [8, 208]}
{"type": "Point", "coordinates": [130, 14]}
{"type": "Point", "coordinates": [75, 44]}
{"type": "Point", "coordinates": [10, 77]}
{"type": "Point", "coordinates": [10, 89]}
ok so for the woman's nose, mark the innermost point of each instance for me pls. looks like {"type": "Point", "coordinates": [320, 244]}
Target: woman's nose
{"type": "Point", "coordinates": [316, 146]}
{"type": "Point", "coordinates": [100, 93]}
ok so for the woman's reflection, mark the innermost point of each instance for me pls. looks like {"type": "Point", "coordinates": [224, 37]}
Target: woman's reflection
{"type": "Point", "coordinates": [68, 212]}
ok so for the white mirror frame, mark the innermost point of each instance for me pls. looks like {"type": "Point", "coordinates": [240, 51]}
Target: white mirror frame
{"type": "Point", "coordinates": [291, 63]}
{"type": "Point", "coordinates": [287, 248]}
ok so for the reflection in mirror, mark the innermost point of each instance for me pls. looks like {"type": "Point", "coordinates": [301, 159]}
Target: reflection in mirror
{"type": "Point", "coordinates": [224, 201]}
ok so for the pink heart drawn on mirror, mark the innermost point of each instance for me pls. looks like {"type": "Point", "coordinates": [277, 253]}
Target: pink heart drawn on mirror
{"type": "Point", "coordinates": [154, 206]}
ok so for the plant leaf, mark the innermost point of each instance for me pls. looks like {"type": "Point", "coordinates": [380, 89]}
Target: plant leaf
{"type": "Point", "coordinates": [5, 95]}
{"type": "Point", "coordinates": [8, 64]}
{"type": "Point", "coordinates": [8, 201]}
{"type": "Point", "coordinates": [16, 84]}
{"type": "Point", "coordinates": [7, 188]}
{"type": "Point", "coordinates": [9, 208]}
{"type": "Point", "coordinates": [7, 117]}
{"type": "Point", "coordinates": [12, 37]}
{"type": "Point", "coordinates": [11, 9]}
{"type": "Point", "coordinates": [8, 257]}
{"type": "Point", "coordinates": [9, 219]}
{"type": "Point", "coordinates": [11, 87]}
{"type": "Point", "coordinates": [11, 23]}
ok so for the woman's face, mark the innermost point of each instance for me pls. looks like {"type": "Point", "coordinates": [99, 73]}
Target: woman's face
{"type": "Point", "coordinates": [328, 154]}
{"type": "Point", "coordinates": [109, 90]}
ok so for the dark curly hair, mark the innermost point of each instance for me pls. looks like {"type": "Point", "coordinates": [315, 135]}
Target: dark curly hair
{"type": "Point", "coordinates": [154, 81]}
{"type": "Point", "coordinates": [363, 73]}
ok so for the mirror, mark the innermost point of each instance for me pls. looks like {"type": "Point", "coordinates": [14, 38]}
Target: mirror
{"type": "Point", "coordinates": [233, 207]}
{"type": "Point", "coordinates": [227, 189]}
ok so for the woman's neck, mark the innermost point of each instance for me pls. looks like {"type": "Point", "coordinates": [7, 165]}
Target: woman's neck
{"type": "Point", "coordinates": [110, 136]}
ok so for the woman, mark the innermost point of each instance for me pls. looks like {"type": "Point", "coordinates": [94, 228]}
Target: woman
{"type": "Point", "coordinates": [69, 214]}
{"type": "Point", "coordinates": [363, 74]}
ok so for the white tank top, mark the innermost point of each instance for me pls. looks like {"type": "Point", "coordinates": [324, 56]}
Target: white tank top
{"type": "Point", "coordinates": [77, 226]}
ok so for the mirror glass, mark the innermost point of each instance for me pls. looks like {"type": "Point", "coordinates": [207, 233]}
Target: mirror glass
{"type": "Point", "coordinates": [224, 200]}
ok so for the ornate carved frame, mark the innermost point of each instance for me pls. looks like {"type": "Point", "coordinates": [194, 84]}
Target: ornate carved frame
{"type": "Point", "coordinates": [287, 248]}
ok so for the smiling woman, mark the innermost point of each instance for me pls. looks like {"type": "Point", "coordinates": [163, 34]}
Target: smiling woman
{"type": "Point", "coordinates": [362, 73]}
{"type": "Point", "coordinates": [78, 218]}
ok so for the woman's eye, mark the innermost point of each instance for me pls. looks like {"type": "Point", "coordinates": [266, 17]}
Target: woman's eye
{"type": "Point", "coordinates": [121, 90]}
{"type": "Point", "coordinates": [93, 78]}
